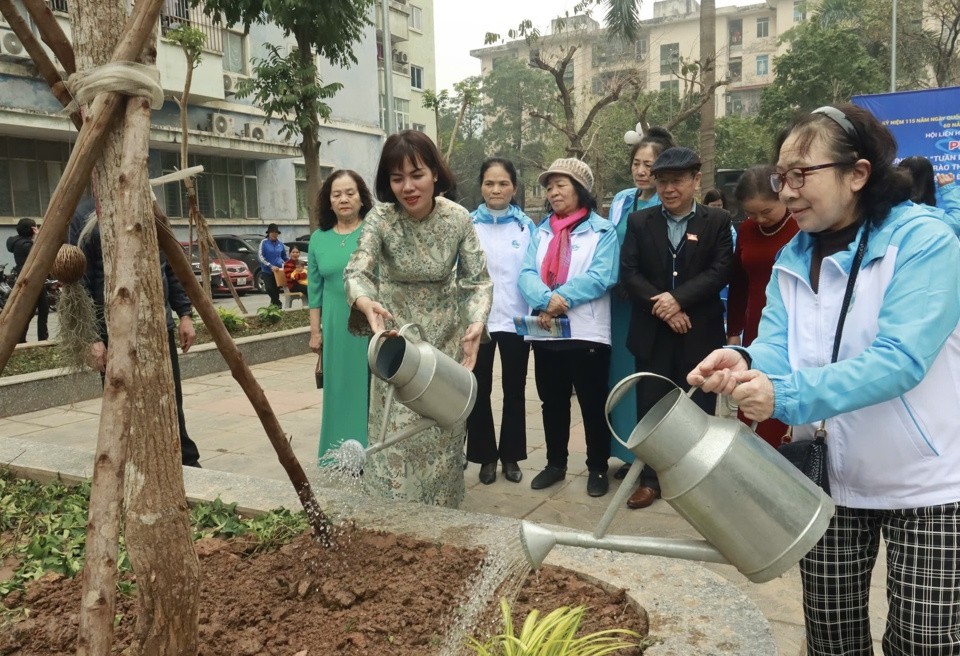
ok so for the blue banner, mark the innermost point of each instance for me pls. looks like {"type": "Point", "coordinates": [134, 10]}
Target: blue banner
{"type": "Point", "coordinates": [925, 122]}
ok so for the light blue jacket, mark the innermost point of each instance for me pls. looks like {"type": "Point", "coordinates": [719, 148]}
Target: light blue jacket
{"type": "Point", "coordinates": [622, 204]}
{"type": "Point", "coordinates": [505, 240]}
{"type": "Point", "coordinates": [594, 269]}
{"type": "Point", "coordinates": [948, 200]}
{"type": "Point", "coordinates": [892, 400]}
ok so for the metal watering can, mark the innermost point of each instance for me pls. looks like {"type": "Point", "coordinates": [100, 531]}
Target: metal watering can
{"type": "Point", "coordinates": [756, 510]}
{"type": "Point", "coordinates": [421, 377]}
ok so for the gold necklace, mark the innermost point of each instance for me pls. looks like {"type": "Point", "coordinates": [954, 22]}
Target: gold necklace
{"type": "Point", "coordinates": [783, 222]}
{"type": "Point", "coordinates": [343, 242]}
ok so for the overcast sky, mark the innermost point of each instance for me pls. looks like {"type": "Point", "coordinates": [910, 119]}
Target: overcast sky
{"type": "Point", "coordinates": [460, 26]}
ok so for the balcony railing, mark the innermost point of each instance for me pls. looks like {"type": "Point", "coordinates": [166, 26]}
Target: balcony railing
{"type": "Point", "coordinates": [174, 13]}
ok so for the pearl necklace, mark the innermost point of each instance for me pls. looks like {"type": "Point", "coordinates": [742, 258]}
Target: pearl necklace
{"type": "Point", "coordinates": [783, 222]}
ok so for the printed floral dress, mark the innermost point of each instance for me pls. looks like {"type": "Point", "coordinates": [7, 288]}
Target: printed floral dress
{"type": "Point", "coordinates": [431, 272]}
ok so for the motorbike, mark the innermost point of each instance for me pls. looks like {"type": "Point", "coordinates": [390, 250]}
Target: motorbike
{"type": "Point", "coordinates": [51, 288]}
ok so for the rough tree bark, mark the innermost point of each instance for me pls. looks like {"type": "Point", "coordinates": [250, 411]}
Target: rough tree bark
{"type": "Point", "coordinates": [157, 527]}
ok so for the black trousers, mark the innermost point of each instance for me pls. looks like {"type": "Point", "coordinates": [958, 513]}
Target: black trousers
{"type": "Point", "coordinates": [558, 373]}
{"type": "Point", "coordinates": [300, 287]}
{"type": "Point", "coordinates": [668, 358]}
{"type": "Point", "coordinates": [42, 311]}
{"type": "Point", "coordinates": [481, 436]}
{"type": "Point", "coordinates": [270, 285]}
{"type": "Point", "coordinates": [189, 454]}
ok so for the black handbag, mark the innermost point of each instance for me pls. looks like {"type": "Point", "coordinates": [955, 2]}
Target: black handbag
{"type": "Point", "coordinates": [318, 372]}
{"type": "Point", "coordinates": [810, 456]}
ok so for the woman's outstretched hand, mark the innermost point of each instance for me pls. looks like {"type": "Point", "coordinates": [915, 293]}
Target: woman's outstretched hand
{"type": "Point", "coordinates": [471, 344]}
{"type": "Point", "coordinates": [715, 373]}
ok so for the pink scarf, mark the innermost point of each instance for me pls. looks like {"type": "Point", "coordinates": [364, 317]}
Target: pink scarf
{"type": "Point", "coordinates": [556, 262]}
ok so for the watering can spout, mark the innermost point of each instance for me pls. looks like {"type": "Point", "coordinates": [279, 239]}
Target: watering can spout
{"type": "Point", "coordinates": [537, 542]}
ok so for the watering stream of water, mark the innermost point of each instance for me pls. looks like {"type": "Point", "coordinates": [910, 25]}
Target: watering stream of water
{"type": "Point", "coordinates": [501, 574]}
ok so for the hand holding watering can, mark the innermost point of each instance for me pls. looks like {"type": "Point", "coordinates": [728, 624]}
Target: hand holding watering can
{"type": "Point", "coordinates": [377, 316]}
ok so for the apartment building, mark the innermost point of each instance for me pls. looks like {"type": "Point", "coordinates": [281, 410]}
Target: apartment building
{"type": "Point", "coordinates": [412, 63]}
{"type": "Point", "coordinates": [746, 37]}
{"type": "Point", "coordinates": [253, 176]}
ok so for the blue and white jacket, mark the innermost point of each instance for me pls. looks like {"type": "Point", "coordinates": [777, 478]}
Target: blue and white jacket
{"type": "Point", "coordinates": [622, 204]}
{"type": "Point", "coordinates": [271, 253]}
{"type": "Point", "coordinates": [892, 400]}
{"type": "Point", "coordinates": [505, 240]}
{"type": "Point", "coordinates": [948, 200]}
{"type": "Point", "coordinates": [594, 269]}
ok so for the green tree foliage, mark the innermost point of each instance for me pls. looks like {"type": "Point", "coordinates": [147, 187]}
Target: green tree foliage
{"type": "Point", "coordinates": [825, 64]}
{"type": "Point", "coordinates": [288, 86]}
{"type": "Point", "coordinates": [742, 142]}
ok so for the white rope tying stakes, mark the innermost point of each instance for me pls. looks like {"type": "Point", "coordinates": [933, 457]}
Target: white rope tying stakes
{"type": "Point", "coordinates": [129, 78]}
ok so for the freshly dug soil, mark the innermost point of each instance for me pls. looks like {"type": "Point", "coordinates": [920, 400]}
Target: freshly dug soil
{"type": "Point", "coordinates": [376, 594]}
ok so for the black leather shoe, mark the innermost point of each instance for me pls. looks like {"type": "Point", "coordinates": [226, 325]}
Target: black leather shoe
{"type": "Point", "coordinates": [488, 473]}
{"type": "Point", "coordinates": [511, 472]}
{"type": "Point", "coordinates": [621, 473]}
{"type": "Point", "coordinates": [597, 484]}
{"type": "Point", "coordinates": [548, 477]}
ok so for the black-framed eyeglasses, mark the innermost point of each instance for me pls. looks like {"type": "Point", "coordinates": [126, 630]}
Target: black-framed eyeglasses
{"type": "Point", "coordinates": [795, 177]}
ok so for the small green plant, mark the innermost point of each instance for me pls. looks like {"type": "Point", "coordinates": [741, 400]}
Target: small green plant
{"type": "Point", "coordinates": [553, 635]}
{"type": "Point", "coordinates": [232, 319]}
{"type": "Point", "coordinates": [270, 314]}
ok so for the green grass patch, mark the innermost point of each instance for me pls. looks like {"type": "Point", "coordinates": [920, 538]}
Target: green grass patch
{"type": "Point", "coordinates": [43, 529]}
{"type": "Point", "coordinates": [42, 358]}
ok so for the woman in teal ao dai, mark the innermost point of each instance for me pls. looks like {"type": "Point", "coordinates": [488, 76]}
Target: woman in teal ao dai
{"type": "Point", "coordinates": [344, 202]}
{"type": "Point", "coordinates": [419, 261]}
{"type": "Point", "coordinates": [642, 195]}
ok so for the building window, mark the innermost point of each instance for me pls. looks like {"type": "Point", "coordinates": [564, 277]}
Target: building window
{"type": "Point", "coordinates": [672, 86]}
{"type": "Point", "coordinates": [419, 127]}
{"type": "Point", "coordinates": [29, 172]}
{"type": "Point", "coordinates": [641, 48]}
{"type": "Point", "coordinates": [735, 32]}
{"type": "Point", "coordinates": [616, 52]}
{"type": "Point", "coordinates": [416, 77]}
{"type": "Point", "coordinates": [763, 65]}
{"type": "Point", "coordinates": [669, 58]}
{"type": "Point", "coordinates": [734, 105]}
{"type": "Point", "coordinates": [799, 11]}
{"type": "Point", "coordinates": [58, 5]}
{"type": "Point", "coordinates": [402, 110]}
{"type": "Point", "coordinates": [300, 176]}
{"type": "Point", "coordinates": [415, 21]}
{"type": "Point", "coordinates": [763, 27]}
{"type": "Point", "coordinates": [226, 190]}
{"type": "Point", "coordinates": [735, 69]}
{"type": "Point", "coordinates": [234, 52]}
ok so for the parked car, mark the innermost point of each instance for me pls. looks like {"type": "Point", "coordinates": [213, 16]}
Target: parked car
{"type": "Point", "coordinates": [238, 271]}
{"type": "Point", "coordinates": [243, 247]}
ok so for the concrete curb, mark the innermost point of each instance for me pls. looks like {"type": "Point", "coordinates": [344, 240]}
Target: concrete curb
{"type": "Point", "coordinates": [46, 389]}
{"type": "Point", "coordinates": [692, 611]}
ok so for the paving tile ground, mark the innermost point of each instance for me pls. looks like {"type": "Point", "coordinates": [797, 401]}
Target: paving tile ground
{"type": "Point", "coordinates": [230, 438]}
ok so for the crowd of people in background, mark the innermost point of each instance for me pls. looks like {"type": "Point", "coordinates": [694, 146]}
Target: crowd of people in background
{"type": "Point", "coordinates": [841, 319]}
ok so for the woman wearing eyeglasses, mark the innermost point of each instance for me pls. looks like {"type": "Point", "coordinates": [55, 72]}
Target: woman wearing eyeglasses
{"type": "Point", "coordinates": [860, 339]}
{"type": "Point", "coordinates": [767, 228]}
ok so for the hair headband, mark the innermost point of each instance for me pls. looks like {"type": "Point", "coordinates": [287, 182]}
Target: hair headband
{"type": "Point", "coordinates": [840, 119]}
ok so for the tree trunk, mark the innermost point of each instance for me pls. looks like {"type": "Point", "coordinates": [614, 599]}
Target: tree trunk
{"type": "Point", "coordinates": [310, 145]}
{"type": "Point", "coordinates": [157, 528]}
{"type": "Point", "coordinates": [708, 113]}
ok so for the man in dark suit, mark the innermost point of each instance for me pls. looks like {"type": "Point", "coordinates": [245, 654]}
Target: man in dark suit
{"type": "Point", "coordinates": [676, 257]}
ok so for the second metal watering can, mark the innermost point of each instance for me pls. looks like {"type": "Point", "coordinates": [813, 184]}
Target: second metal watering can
{"type": "Point", "coordinates": [421, 377]}
{"type": "Point", "coordinates": [755, 509]}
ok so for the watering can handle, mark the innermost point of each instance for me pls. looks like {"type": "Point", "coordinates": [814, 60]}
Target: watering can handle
{"type": "Point", "coordinates": [374, 347]}
{"type": "Point", "coordinates": [620, 390]}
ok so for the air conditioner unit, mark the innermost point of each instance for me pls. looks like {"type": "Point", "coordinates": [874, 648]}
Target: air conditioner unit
{"type": "Point", "coordinates": [221, 125]}
{"type": "Point", "coordinates": [252, 131]}
{"type": "Point", "coordinates": [229, 85]}
{"type": "Point", "coordinates": [403, 57]}
{"type": "Point", "coordinates": [10, 46]}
